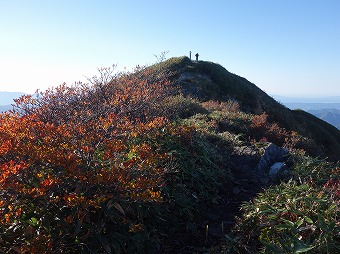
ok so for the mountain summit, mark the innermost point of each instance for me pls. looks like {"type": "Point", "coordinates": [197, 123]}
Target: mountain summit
{"type": "Point", "coordinates": [207, 81]}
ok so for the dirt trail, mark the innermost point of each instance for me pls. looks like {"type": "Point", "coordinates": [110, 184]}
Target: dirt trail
{"type": "Point", "coordinates": [221, 218]}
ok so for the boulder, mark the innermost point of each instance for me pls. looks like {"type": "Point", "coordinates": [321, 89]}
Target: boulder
{"type": "Point", "coordinates": [272, 154]}
{"type": "Point", "coordinates": [277, 169]}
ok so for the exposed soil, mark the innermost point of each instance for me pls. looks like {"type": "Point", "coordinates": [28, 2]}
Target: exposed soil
{"type": "Point", "coordinates": [244, 187]}
{"type": "Point", "coordinates": [220, 219]}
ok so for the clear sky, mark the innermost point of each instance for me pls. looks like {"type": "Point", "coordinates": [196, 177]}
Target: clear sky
{"type": "Point", "coordinates": [287, 47]}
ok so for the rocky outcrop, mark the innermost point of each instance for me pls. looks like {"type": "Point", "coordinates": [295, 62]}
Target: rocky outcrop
{"type": "Point", "coordinates": [252, 167]}
{"type": "Point", "coordinates": [265, 167]}
{"type": "Point", "coordinates": [277, 169]}
{"type": "Point", "coordinates": [271, 164]}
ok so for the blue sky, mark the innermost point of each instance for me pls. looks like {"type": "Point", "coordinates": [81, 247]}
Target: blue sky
{"type": "Point", "coordinates": [289, 48]}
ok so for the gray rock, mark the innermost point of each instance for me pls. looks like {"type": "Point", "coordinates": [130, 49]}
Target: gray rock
{"type": "Point", "coordinates": [276, 169]}
{"type": "Point", "coordinates": [272, 154]}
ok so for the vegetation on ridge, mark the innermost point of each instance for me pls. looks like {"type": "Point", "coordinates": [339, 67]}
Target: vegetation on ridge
{"type": "Point", "coordinates": [212, 82]}
{"type": "Point", "coordinates": [132, 162]}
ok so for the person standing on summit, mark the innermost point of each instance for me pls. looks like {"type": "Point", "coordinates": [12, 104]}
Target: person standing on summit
{"type": "Point", "coordinates": [197, 55]}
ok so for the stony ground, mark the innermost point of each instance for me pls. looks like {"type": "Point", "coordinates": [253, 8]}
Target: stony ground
{"type": "Point", "coordinates": [247, 183]}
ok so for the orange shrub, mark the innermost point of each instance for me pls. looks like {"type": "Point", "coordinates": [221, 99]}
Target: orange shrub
{"type": "Point", "coordinates": [68, 151]}
{"type": "Point", "coordinates": [262, 129]}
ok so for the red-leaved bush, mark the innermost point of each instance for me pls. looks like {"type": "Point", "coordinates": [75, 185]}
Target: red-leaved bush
{"type": "Point", "coordinates": [71, 154]}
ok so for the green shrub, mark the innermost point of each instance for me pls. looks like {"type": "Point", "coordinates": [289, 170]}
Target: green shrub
{"type": "Point", "coordinates": [299, 216]}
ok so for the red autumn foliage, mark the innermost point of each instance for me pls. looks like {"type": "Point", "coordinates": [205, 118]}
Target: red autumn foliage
{"type": "Point", "coordinates": [263, 130]}
{"type": "Point", "coordinates": [67, 151]}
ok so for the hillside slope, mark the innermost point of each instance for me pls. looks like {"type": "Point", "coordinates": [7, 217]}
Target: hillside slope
{"type": "Point", "coordinates": [162, 160]}
{"type": "Point", "coordinates": [210, 81]}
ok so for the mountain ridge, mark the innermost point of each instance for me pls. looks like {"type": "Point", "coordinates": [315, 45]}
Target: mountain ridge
{"type": "Point", "coordinates": [161, 160]}
{"type": "Point", "coordinates": [210, 81]}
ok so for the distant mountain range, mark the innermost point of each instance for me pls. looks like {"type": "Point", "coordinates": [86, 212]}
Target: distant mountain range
{"type": "Point", "coordinates": [286, 99]}
{"type": "Point", "coordinates": [312, 106]}
{"type": "Point", "coordinates": [330, 115]}
{"type": "Point", "coordinates": [326, 108]}
{"type": "Point", "coordinates": [6, 99]}
{"type": "Point", "coordinates": [5, 108]}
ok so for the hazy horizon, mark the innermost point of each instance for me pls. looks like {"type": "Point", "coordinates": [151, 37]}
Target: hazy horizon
{"type": "Point", "coordinates": [283, 99]}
